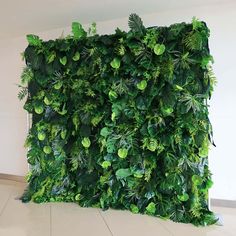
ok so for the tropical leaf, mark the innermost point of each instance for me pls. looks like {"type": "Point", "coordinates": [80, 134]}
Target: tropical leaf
{"type": "Point", "coordinates": [78, 31]}
{"type": "Point", "coordinates": [34, 40]}
{"type": "Point", "coordinates": [136, 24]}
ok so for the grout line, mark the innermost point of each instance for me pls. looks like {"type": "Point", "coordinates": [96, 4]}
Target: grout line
{"type": "Point", "coordinates": [105, 222]}
{"type": "Point", "coordinates": [166, 228]}
{"type": "Point", "coordinates": [5, 205]}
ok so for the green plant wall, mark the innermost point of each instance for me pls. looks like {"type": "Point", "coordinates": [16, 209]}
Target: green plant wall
{"type": "Point", "coordinates": [121, 121]}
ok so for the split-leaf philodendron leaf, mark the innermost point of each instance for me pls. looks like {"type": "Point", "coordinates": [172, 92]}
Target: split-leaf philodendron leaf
{"type": "Point", "coordinates": [121, 120]}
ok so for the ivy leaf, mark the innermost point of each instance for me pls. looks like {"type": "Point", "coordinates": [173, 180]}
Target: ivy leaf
{"type": "Point", "coordinates": [151, 208]}
{"type": "Point", "coordinates": [184, 197]}
{"type": "Point", "coordinates": [134, 208]}
{"type": "Point", "coordinates": [197, 180]}
{"type": "Point", "coordinates": [86, 142]}
{"type": "Point", "coordinates": [122, 153]}
{"type": "Point", "coordinates": [78, 30]}
{"type": "Point", "coordinates": [123, 173]}
{"type": "Point", "coordinates": [76, 57]}
{"type": "Point", "coordinates": [63, 60]}
{"type": "Point", "coordinates": [106, 164]}
{"type": "Point", "coordinates": [115, 63]}
{"type": "Point", "coordinates": [142, 85]}
{"type": "Point", "coordinates": [159, 49]}
{"type": "Point", "coordinates": [152, 144]}
{"type": "Point", "coordinates": [105, 131]}
{"type": "Point", "coordinates": [34, 40]}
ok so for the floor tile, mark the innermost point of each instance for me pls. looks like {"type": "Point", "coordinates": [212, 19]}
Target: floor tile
{"type": "Point", "coordinates": [228, 217]}
{"type": "Point", "coordinates": [179, 229]}
{"type": "Point", "coordinates": [125, 223]}
{"type": "Point", "coordinates": [70, 219]}
{"type": "Point", "coordinates": [24, 219]}
{"type": "Point", "coordinates": [5, 192]}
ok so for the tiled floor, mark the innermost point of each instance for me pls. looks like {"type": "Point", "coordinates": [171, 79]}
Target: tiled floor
{"type": "Point", "coordinates": [66, 219]}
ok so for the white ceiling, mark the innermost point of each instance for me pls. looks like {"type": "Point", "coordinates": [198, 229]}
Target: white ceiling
{"type": "Point", "coordinates": [20, 17]}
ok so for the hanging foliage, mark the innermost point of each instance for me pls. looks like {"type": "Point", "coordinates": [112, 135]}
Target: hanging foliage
{"type": "Point", "coordinates": [121, 120]}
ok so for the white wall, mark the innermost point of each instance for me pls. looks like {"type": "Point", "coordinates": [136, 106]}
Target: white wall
{"type": "Point", "coordinates": [221, 19]}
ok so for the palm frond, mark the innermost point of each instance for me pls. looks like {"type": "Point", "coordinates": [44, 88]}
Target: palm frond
{"type": "Point", "coordinates": [136, 24]}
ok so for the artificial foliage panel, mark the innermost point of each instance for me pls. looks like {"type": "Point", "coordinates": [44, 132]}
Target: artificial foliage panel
{"type": "Point", "coordinates": [121, 121]}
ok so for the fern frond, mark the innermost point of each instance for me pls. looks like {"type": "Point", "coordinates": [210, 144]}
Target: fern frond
{"type": "Point", "coordinates": [193, 41]}
{"type": "Point", "coordinates": [26, 76]}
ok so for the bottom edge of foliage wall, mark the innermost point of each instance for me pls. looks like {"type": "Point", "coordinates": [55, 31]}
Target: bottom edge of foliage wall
{"type": "Point", "coordinates": [121, 121]}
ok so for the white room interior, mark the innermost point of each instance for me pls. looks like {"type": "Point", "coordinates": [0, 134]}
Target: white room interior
{"type": "Point", "coordinates": [49, 19]}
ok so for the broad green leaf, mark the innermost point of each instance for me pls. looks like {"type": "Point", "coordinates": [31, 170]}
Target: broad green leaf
{"type": "Point", "coordinates": [142, 85]}
{"type": "Point", "coordinates": [34, 40]}
{"type": "Point", "coordinates": [38, 109]}
{"type": "Point", "coordinates": [134, 208]}
{"type": "Point", "coordinates": [197, 180]}
{"type": "Point", "coordinates": [47, 101]}
{"type": "Point", "coordinates": [51, 57]}
{"type": "Point", "coordinates": [184, 197]}
{"type": "Point", "coordinates": [58, 85]}
{"type": "Point", "coordinates": [76, 57]}
{"type": "Point", "coordinates": [209, 183]}
{"type": "Point", "coordinates": [152, 144]}
{"type": "Point", "coordinates": [105, 131]}
{"type": "Point", "coordinates": [123, 173]}
{"type": "Point", "coordinates": [63, 60]}
{"type": "Point", "coordinates": [159, 49]}
{"type": "Point", "coordinates": [106, 164]}
{"type": "Point", "coordinates": [63, 134]}
{"type": "Point", "coordinates": [78, 30]}
{"type": "Point", "coordinates": [47, 149]}
{"type": "Point", "coordinates": [115, 63]}
{"type": "Point", "coordinates": [41, 136]}
{"type": "Point", "coordinates": [151, 208]}
{"type": "Point", "coordinates": [86, 142]}
{"type": "Point", "coordinates": [122, 153]}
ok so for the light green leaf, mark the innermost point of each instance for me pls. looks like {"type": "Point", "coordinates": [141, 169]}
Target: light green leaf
{"type": "Point", "coordinates": [122, 153]}
{"type": "Point", "coordinates": [151, 208]}
{"type": "Point", "coordinates": [63, 60]}
{"type": "Point", "coordinates": [197, 180]}
{"type": "Point", "coordinates": [34, 40]}
{"type": "Point", "coordinates": [184, 197]}
{"type": "Point", "coordinates": [104, 132]}
{"type": "Point", "coordinates": [51, 57]}
{"type": "Point", "coordinates": [142, 85]}
{"type": "Point", "coordinates": [78, 30]}
{"type": "Point", "coordinates": [123, 173]}
{"type": "Point", "coordinates": [76, 57]}
{"type": "Point", "coordinates": [152, 144]}
{"type": "Point", "coordinates": [115, 63]}
{"type": "Point", "coordinates": [86, 142]}
{"type": "Point", "coordinates": [159, 49]}
{"type": "Point", "coordinates": [106, 164]}
{"type": "Point", "coordinates": [134, 208]}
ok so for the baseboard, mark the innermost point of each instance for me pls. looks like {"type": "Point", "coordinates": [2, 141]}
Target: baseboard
{"type": "Point", "coordinates": [16, 178]}
{"type": "Point", "coordinates": [223, 203]}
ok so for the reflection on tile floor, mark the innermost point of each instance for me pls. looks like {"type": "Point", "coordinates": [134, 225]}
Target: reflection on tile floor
{"type": "Point", "coordinates": [68, 219]}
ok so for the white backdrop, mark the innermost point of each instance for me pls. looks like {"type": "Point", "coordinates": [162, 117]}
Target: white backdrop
{"type": "Point", "coordinates": [221, 19]}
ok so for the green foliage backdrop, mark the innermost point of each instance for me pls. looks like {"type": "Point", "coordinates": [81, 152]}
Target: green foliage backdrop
{"type": "Point", "coordinates": [121, 120]}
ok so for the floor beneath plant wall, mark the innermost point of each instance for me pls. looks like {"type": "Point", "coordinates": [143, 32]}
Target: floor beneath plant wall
{"type": "Point", "coordinates": [60, 219]}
